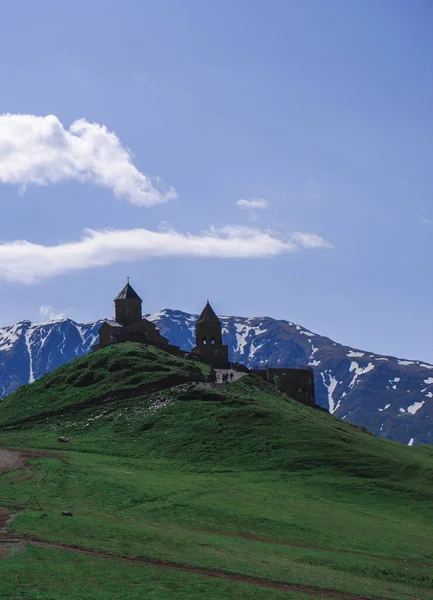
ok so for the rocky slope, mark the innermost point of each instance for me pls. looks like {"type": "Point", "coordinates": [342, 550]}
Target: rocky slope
{"type": "Point", "coordinates": [391, 397]}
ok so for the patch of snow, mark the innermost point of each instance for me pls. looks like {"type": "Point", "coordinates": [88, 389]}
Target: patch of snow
{"type": "Point", "coordinates": [313, 362]}
{"type": "Point", "coordinates": [381, 358]}
{"type": "Point", "coordinates": [359, 371]}
{"type": "Point", "coordinates": [413, 408]}
{"type": "Point", "coordinates": [157, 315]}
{"type": "Point", "coordinates": [429, 395]}
{"type": "Point", "coordinates": [391, 381]}
{"type": "Point", "coordinates": [313, 351]}
{"type": "Point", "coordinates": [29, 350]}
{"type": "Point", "coordinates": [402, 410]}
{"type": "Point", "coordinates": [406, 362]}
{"type": "Point", "coordinates": [353, 354]}
{"type": "Point", "coordinates": [410, 442]}
{"type": "Point", "coordinates": [426, 366]}
{"type": "Point", "coordinates": [307, 333]}
{"type": "Point", "coordinates": [257, 330]}
{"type": "Point", "coordinates": [9, 335]}
{"type": "Point", "coordinates": [330, 386]}
{"type": "Point", "coordinates": [241, 337]}
{"type": "Point", "coordinates": [384, 408]}
{"type": "Point", "coordinates": [429, 380]}
{"type": "Point", "coordinates": [253, 349]}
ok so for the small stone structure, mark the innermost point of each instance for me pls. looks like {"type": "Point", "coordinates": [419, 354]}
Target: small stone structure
{"type": "Point", "coordinates": [130, 326]}
{"type": "Point", "coordinates": [296, 383]}
{"type": "Point", "coordinates": [209, 345]}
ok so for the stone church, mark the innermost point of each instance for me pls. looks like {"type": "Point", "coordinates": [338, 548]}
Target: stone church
{"type": "Point", "coordinates": [129, 325]}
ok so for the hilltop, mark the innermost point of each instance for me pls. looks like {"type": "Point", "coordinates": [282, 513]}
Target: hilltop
{"type": "Point", "coordinates": [114, 373]}
{"type": "Point", "coordinates": [160, 404]}
{"type": "Point", "coordinates": [391, 397]}
{"type": "Point", "coordinates": [232, 481]}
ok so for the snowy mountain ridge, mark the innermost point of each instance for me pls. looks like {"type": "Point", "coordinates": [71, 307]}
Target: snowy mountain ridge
{"type": "Point", "coordinates": [389, 396]}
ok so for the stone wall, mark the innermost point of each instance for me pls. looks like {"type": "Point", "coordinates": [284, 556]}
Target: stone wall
{"type": "Point", "coordinates": [296, 383]}
{"type": "Point", "coordinates": [215, 354]}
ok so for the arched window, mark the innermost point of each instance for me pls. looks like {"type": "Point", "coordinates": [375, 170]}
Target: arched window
{"type": "Point", "coordinates": [203, 341]}
{"type": "Point", "coordinates": [212, 341]}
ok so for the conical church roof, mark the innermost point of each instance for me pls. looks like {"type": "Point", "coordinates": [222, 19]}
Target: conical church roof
{"type": "Point", "coordinates": [128, 293]}
{"type": "Point", "coordinates": [208, 315]}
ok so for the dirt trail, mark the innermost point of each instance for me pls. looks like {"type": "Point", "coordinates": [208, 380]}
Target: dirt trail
{"type": "Point", "coordinates": [295, 544]}
{"type": "Point", "coordinates": [207, 572]}
{"type": "Point", "coordinates": [17, 460]}
{"type": "Point", "coordinates": [12, 460]}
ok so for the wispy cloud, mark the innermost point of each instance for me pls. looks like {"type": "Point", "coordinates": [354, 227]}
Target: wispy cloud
{"type": "Point", "coordinates": [40, 150]}
{"type": "Point", "coordinates": [27, 262]}
{"type": "Point", "coordinates": [309, 240]}
{"type": "Point", "coordinates": [312, 189]}
{"type": "Point", "coordinates": [426, 221]}
{"type": "Point", "coordinates": [49, 313]}
{"type": "Point", "coordinates": [253, 204]}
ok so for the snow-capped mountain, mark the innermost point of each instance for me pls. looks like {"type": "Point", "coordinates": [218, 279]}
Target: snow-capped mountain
{"type": "Point", "coordinates": [29, 350]}
{"type": "Point", "coordinates": [392, 398]}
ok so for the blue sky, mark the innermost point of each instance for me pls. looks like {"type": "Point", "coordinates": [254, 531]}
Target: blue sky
{"type": "Point", "coordinates": [321, 110]}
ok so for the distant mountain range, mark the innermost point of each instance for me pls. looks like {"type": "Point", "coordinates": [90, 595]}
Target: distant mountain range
{"type": "Point", "coordinates": [391, 397]}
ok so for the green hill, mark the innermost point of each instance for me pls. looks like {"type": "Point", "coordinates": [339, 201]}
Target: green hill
{"type": "Point", "coordinates": [113, 372]}
{"type": "Point", "coordinates": [235, 478]}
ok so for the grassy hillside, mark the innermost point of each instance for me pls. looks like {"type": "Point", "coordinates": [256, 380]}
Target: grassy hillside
{"type": "Point", "coordinates": [113, 372]}
{"type": "Point", "coordinates": [234, 477]}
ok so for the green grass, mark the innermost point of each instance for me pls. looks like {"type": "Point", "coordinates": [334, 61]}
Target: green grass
{"type": "Point", "coordinates": [235, 477]}
{"type": "Point", "coordinates": [114, 370]}
{"type": "Point", "coordinates": [46, 574]}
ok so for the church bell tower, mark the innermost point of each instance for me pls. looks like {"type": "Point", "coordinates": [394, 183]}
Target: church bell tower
{"type": "Point", "coordinates": [208, 339]}
{"type": "Point", "coordinates": [127, 306]}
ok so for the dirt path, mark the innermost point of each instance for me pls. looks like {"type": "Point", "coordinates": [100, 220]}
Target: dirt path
{"type": "Point", "coordinates": [12, 460]}
{"type": "Point", "coordinates": [216, 573]}
{"type": "Point", "coordinates": [236, 375]}
{"type": "Point", "coordinates": [294, 544]}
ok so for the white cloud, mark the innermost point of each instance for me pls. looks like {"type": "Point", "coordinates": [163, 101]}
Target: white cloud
{"type": "Point", "coordinates": [39, 150]}
{"type": "Point", "coordinates": [309, 240]}
{"type": "Point", "coordinates": [253, 203]}
{"type": "Point", "coordinates": [27, 262]}
{"type": "Point", "coordinates": [426, 221]}
{"type": "Point", "coordinates": [49, 313]}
